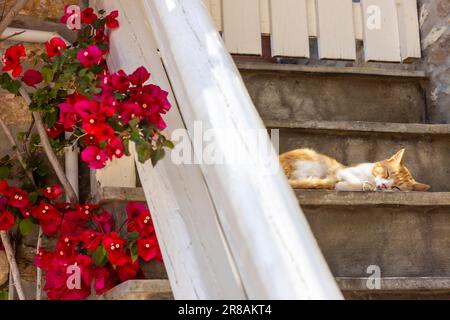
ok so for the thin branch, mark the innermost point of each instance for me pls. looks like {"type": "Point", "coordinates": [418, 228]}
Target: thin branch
{"type": "Point", "coordinates": [6, 21]}
{"type": "Point", "coordinates": [13, 143]}
{"type": "Point", "coordinates": [38, 270]}
{"type": "Point", "coordinates": [12, 264]}
{"type": "Point", "coordinates": [12, 36]}
{"type": "Point", "coordinates": [49, 151]}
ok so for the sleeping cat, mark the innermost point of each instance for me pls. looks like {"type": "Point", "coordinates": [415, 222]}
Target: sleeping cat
{"type": "Point", "coordinates": [307, 169]}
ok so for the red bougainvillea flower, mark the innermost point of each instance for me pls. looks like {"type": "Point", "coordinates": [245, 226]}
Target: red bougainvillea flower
{"type": "Point", "coordinates": [102, 280]}
{"type": "Point", "coordinates": [114, 246]}
{"type": "Point", "coordinates": [128, 111]}
{"type": "Point", "coordinates": [111, 20]}
{"type": "Point", "coordinates": [54, 47]}
{"type": "Point", "coordinates": [49, 218]}
{"type": "Point", "coordinates": [55, 131]}
{"type": "Point", "coordinates": [115, 148]}
{"type": "Point", "coordinates": [85, 107]}
{"type": "Point", "coordinates": [56, 279]}
{"type": "Point", "coordinates": [70, 14]}
{"type": "Point", "coordinates": [43, 259]}
{"type": "Point", "coordinates": [6, 220]}
{"type": "Point", "coordinates": [99, 130]}
{"type": "Point", "coordinates": [148, 249]}
{"type": "Point", "coordinates": [90, 56]}
{"type": "Point", "coordinates": [139, 76]}
{"type": "Point", "coordinates": [91, 239]}
{"type": "Point", "coordinates": [95, 157]}
{"type": "Point", "coordinates": [120, 81]}
{"type": "Point", "coordinates": [26, 212]}
{"type": "Point", "coordinates": [139, 219]}
{"type": "Point", "coordinates": [134, 209]}
{"type": "Point", "coordinates": [53, 192]}
{"type": "Point", "coordinates": [106, 82]}
{"type": "Point", "coordinates": [104, 221]}
{"type": "Point", "coordinates": [101, 36]}
{"type": "Point", "coordinates": [11, 59]}
{"type": "Point", "coordinates": [32, 77]}
{"type": "Point", "coordinates": [129, 270]}
{"type": "Point", "coordinates": [18, 198]}
{"type": "Point", "coordinates": [88, 16]}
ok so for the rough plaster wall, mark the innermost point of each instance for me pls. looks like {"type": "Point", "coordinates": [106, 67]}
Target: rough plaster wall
{"type": "Point", "coordinates": [435, 33]}
{"type": "Point", "coordinates": [49, 9]}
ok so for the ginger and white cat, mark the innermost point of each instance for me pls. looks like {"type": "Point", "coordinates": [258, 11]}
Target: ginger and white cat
{"type": "Point", "coordinates": [307, 169]}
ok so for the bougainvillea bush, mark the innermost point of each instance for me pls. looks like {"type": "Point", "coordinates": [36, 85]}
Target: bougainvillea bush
{"type": "Point", "coordinates": [85, 238]}
{"type": "Point", "coordinates": [71, 86]}
{"type": "Point", "coordinates": [76, 93]}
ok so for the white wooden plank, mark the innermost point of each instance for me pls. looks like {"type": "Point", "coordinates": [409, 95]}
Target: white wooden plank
{"type": "Point", "coordinates": [336, 35]}
{"type": "Point", "coordinates": [409, 29]}
{"type": "Point", "coordinates": [263, 225]}
{"type": "Point", "coordinates": [264, 9]}
{"type": "Point", "coordinates": [358, 21]}
{"type": "Point", "coordinates": [381, 33]}
{"type": "Point", "coordinates": [289, 28]}
{"type": "Point", "coordinates": [214, 8]}
{"type": "Point", "coordinates": [117, 173]}
{"type": "Point", "coordinates": [312, 17]}
{"type": "Point", "coordinates": [242, 26]}
{"type": "Point", "coordinates": [195, 253]}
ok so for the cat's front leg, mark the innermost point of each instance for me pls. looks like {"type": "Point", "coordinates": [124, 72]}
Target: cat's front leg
{"type": "Point", "coordinates": [352, 186]}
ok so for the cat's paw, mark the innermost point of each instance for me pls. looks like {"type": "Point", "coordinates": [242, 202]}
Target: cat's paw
{"type": "Point", "coordinates": [368, 186]}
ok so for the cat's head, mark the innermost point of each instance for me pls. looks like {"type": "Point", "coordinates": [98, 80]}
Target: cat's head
{"type": "Point", "coordinates": [391, 174]}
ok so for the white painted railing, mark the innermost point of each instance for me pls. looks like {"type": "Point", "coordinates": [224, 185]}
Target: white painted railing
{"type": "Point", "coordinates": [389, 28]}
{"type": "Point", "coordinates": [226, 231]}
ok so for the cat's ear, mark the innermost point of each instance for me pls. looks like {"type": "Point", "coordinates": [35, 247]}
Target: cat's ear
{"type": "Point", "coordinates": [421, 187]}
{"type": "Point", "coordinates": [398, 157]}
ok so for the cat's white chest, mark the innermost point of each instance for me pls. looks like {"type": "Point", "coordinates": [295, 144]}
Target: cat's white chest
{"type": "Point", "coordinates": [359, 174]}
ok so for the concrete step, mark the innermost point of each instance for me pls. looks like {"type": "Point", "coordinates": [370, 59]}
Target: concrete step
{"type": "Point", "coordinates": [352, 288]}
{"type": "Point", "coordinates": [427, 146]}
{"type": "Point", "coordinates": [416, 288]}
{"type": "Point", "coordinates": [298, 92]}
{"type": "Point", "coordinates": [405, 234]}
{"type": "Point", "coordinates": [140, 290]}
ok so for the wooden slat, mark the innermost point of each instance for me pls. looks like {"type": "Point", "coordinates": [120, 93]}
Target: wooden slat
{"type": "Point", "coordinates": [336, 37]}
{"type": "Point", "coordinates": [289, 28]}
{"type": "Point", "coordinates": [264, 9]}
{"type": "Point", "coordinates": [381, 43]}
{"type": "Point", "coordinates": [409, 29]}
{"type": "Point", "coordinates": [358, 21]}
{"type": "Point", "coordinates": [242, 26]}
{"type": "Point", "coordinates": [215, 9]}
{"type": "Point", "coordinates": [117, 173]}
{"type": "Point", "coordinates": [312, 17]}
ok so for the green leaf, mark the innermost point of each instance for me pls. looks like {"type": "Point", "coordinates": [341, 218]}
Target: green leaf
{"type": "Point", "coordinates": [47, 74]}
{"type": "Point", "coordinates": [134, 252]}
{"type": "Point", "coordinates": [25, 226]}
{"type": "Point", "coordinates": [168, 144]}
{"type": "Point", "coordinates": [42, 170]}
{"type": "Point", "coordinates": [4, 294]}
{"type": "Point", "coordinates": [157, 155]}
{"type": "Point", "coordinates": [143, 152]}
{"type": "Point", "coordinates": [133, 236]}
{"type": "Point", "coordinates": [99, 256]}
{"type": "Point", "coordinates": [4, 173]}
{"type": "Point", "coordinates": [32, 197]}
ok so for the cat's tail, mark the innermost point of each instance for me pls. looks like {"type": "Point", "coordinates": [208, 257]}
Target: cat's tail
{"type": "Point", "coordinates": [313, 183]}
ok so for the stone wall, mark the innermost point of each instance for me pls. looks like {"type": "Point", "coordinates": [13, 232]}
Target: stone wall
{"type": "Point", "coordinates": [435, 34]}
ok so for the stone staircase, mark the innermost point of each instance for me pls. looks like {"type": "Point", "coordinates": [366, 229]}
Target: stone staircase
{"type": "Point", "coordinates": [359, 114]}
{"type": "Point", "coordinates": [355, 114]}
